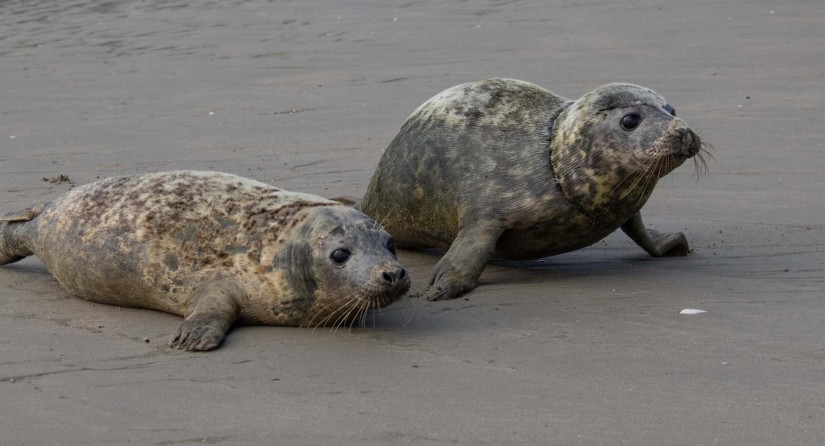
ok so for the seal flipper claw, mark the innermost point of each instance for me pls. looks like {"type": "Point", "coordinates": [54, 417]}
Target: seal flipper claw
{"type": "Point", "coordinates": [656, 244]}
{"type": "Point", "coordinates": [214, 310]}
{"type": "Point", "coordinates": [458, 271]}
{"type": "Point", "coordinates": [441, 292]}
{"type": "Point", "coordinates": [198, 335]}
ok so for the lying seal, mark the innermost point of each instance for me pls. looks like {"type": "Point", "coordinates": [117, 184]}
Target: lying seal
{"type": "Point", "coordinates": [212, 247]}
{"type": "Point", "coordinates": [505, 168]}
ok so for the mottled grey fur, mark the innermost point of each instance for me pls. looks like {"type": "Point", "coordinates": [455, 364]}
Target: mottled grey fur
{"type": "Point", "coordinates": [505, 168]}
{"type": "Point", "coordinates": [214, 248]}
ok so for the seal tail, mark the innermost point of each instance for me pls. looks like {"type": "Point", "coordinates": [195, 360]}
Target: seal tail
{"type": "Point", "coordinates": [13, 234]}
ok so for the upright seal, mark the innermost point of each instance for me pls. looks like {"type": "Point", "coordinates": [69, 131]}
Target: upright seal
{"type": "Point", "coordinates": [212, 247]}
{"type": "Point", "coordinates": [505, 168]}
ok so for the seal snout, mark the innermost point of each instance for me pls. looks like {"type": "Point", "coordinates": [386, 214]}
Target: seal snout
{"type": "Point", "coordinates": [691, 143]}
{"type": "Point", "coordinates": [687, 141]}
{"type": "Point", "coordinates": [391, 280]}
{"type": "Point", "coordinates": [394, 275]}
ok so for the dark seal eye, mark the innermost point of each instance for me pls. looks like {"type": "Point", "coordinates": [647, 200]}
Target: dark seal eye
{"type": "Point", "coordinates": [340, 256]}
{"type": "Point", "coordinates": [631, 121]}
{"type": "Point", "coordinates": [391, 246]}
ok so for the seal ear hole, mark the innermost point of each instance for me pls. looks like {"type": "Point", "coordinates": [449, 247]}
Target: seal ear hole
{"type": "Point", "coordinates": [340, 256]}
{"type": "Point", "coordinates": [630, 121]}
{"type": "Point", "coordinates": [391, 246]}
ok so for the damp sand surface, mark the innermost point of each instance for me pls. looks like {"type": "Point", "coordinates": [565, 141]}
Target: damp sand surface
{"type": "Point", "coordinates": [586, 348]}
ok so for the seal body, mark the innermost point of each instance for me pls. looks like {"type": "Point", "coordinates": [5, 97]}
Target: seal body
{"type": "Point", "coordinates": [212, 247]}
{"type": "Point", "coordinates": [504, 168]}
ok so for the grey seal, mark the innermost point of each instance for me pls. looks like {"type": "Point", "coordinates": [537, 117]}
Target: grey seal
{"type": "Point", "coordinates": [504, 168]}
{"type": "Point", "coordinates": [214, 248]}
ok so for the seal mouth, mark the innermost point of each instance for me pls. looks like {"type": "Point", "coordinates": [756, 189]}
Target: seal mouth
{"type": "Point", "coordinates": [682, 144]}
{"type": "Point", "coordinates": [394, 290]}
{"type": "Point", "coordinates": [352, 311]}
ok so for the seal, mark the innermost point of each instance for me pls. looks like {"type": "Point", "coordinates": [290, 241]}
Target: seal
{"type": "Point", "coordinates": [214, 248]}
{"type": "Point", "coordinates": [504, 168]}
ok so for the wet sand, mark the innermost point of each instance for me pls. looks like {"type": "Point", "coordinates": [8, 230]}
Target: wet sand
{"type": "Point", "coordinates": [585, 348]}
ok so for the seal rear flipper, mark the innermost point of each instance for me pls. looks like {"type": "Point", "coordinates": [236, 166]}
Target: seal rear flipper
{"type": "Point", "coordinates": [27, 214]}
{"type": "Point", "coordinates": [14, 233]}
{"type": "Point", "coordinates": [214, 308]}
{"type": "Point", "coordinates": [655, 243]}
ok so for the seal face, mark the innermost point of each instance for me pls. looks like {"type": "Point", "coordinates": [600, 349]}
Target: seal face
{"type": "Point", "coordinates": [508, 169]}
{"type": "Point", "coordinates": [212, 247]}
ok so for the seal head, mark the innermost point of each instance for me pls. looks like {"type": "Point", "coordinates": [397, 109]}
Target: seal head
{"type": "Point", "coordinates": [611, 146]}
{"type": "Point", "coordinates": [345, 262]}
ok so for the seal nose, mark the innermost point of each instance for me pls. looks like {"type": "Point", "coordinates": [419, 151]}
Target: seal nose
{"type": "Point", "coordinates": [394, 276]}
{"type": "Point", "coordinates": [691, 143]}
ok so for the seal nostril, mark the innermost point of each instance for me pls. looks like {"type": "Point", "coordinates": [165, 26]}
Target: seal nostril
{"type": "Point", "coordinates": [394, 276]}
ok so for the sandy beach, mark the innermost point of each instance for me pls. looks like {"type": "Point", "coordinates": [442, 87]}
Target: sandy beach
{"type": "Point", "coordinates": [584, 348]}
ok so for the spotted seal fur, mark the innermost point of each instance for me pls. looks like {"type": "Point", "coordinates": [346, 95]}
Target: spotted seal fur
{"type": "Point", "coordinates": [212, 247]}
{"type": "Point", "coordinates": [504, 168]}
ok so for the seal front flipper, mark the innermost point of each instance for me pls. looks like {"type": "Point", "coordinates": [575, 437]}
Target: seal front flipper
{"type": "Point", "coordinates": [655, 243]}
{"type": "Point", "coordinates": [213, 310]}
{"type": "Point", "coordinates": [459, 269]}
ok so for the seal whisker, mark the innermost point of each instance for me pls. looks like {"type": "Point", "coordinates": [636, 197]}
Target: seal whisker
{"type": "Point", "coordinates": [365, 313]}
{"type": "Point", "coordinates": [700, 163]}
{"type": "Point", "coordinates": [357, 308]}
{"type": "Point", "coordinates": [334, 325]}
{"type": "Point", "coordinates": [345, 310]}
{"type": "Point", "coordinates": [320, 323]}
{"type": "Point", "coordinates": [377, 305]}
{"type": "Point", "coordinates": [360, 312]}
{"type": "Point", "coordinates": [314, 316]}
{"type": "Point", "coordinates": [643, 180]}
{"type": "Point", "coordinates": [318, 312]}
{"type": "Point", "coordinates": [639, 175]}
{"type": "Point", "coordinates": [389, 214]}
{"type": "Point", "coordinates": [361, 315]}
{"type": "Point", "coordinates": [380, 224]}
{"type": "Point", "coordinates": [348, 315]}
{"type": "Point", "coordinates": [652, 177]}
{"type": "Point", "coordinates": [334, 311]}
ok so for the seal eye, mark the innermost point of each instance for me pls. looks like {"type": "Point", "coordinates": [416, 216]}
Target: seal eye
{"type": "Point", "coordinates": [391, 246]}
{"type": "Point", "coordinates": [631, 121]}
{"type": "Point", "coordinates": [340, 256]}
